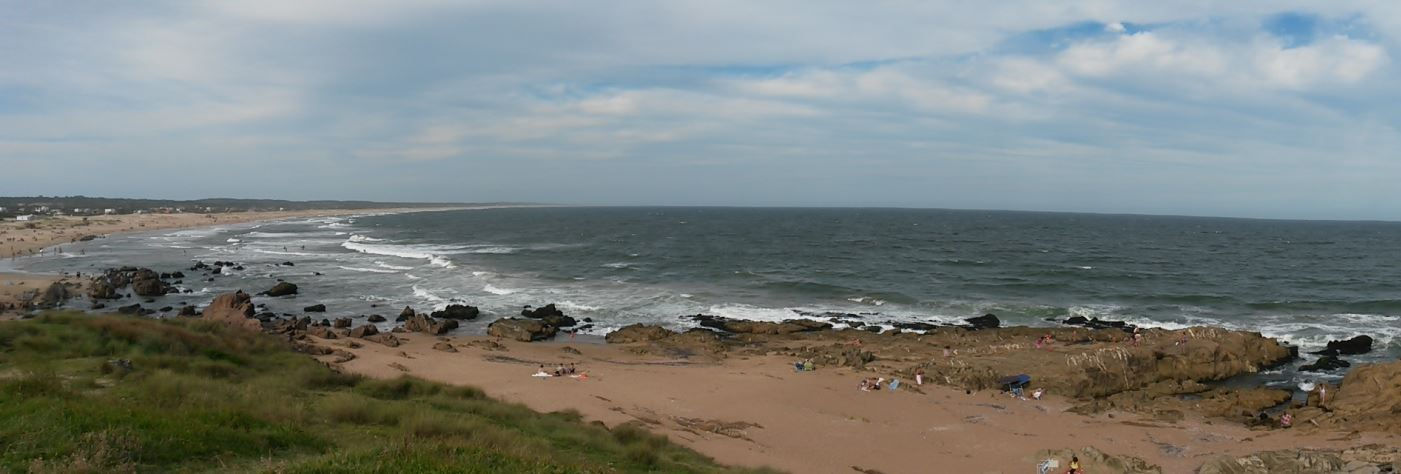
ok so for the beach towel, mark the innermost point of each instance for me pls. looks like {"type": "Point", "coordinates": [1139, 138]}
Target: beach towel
{"type": "Point", "coordinates": [894, 384]}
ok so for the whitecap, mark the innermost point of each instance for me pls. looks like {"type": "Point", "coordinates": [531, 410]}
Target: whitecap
{"type": "Point", "coordinates": [494, 250]}
{"type": "Point", "coordinates": [572, 306]}
{"type": "Point", "coordinates": [867, 300]}
{"type": "Point", "coordinates": [366, 270]}
{"type": "Point", "coordinates": [617, 265]}
{"type": "Point", "coordinates": [498, 291]}
{"type": "Point", "coordinates": [392, 267]}
{"type": "Point", "coordinates": [361, 238]}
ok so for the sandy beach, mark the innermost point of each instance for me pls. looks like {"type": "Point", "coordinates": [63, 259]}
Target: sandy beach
{"type": "Point", "coordinates": [757, 411]}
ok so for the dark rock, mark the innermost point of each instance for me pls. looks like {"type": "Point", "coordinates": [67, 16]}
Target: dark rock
{"type": "Point", "coordinates": [1325, 363]}
{"type": "Point", "coordinates": [455, 311]}
{"type": "Point", "coordinates": [99, 306]}
{"type": "Point", "coordinates": [342, 323]}
{"type": "Point", "coordinates": [1355, 346]}
{"type": "Point", "coordinates": [288, 264]}
{"type": "Point", "coordinates": [282, 289]}
{"type": "Point", "coordinates": [375, 318]}
{"type": "Point", "coordinates": [52, 297]}
{"type": "Point", "coordinates": [407, 313]}
{"type": "Point", "coordinates": [638, 333]}
{"type": "Point", "coordinates": [166, 309]}
{"type": "Point", "coordinates": [133, 309]}
{"type": "Point", "coordinates": [524, 330]}
{"type": "Point", "coordinates": [189, 311]}
{"type": "Point", "coordinates": [986, 321]}
{"type": "Point", "coordinates": [316, 308]}
{"type": "Point", "coordinates": [740, 326]}
{"type": "Point", "coordinates": [101, 288]}
{"type": "Point", "coordinates": [914, 326]}
{"type": "Point", "coordinates": [177, 275]}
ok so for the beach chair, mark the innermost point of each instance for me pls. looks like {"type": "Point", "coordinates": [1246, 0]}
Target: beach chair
{"type": "Point", "coordinates": [1046, 466]}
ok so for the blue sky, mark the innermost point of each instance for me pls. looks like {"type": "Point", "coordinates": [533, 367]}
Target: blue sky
{"type": "Point", "coordinates": [1247, 108]}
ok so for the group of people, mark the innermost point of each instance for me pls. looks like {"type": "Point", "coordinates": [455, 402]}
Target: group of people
{"type": "Point", "coordinates": [561, 370]}
{"type": "Point", "coordinates": [868, 384]}
{"type": "Point", "coordinates": [804, 365]}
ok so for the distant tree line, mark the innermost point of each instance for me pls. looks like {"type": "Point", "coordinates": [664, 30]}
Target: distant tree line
{"type": "Point", "coordinates": [84, 205]}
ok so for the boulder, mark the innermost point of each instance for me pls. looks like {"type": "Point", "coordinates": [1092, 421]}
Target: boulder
{"type": "Point", "coordinates": [986, 321]}
{"type": "Point", "coordinates": [342, 323]}
{"type": "Point", "coordinates": [638, 333]}
{"type": "Point", "coordinates": [375, 318]}
{"type": "Point", "coordinates": [1325, 363]}
{"type": "Point", "coordinates": [426, 324]}
{"type": "Point", "coordinates": [1370, 396]}
{"type": "Point", "coordinates": [132, 309]}
{"type": "Point", "coordinates": [550, 315]}
{"type": "Point", "coordinates": [321, 332]}
{"type": "Point", "coordinates": [455, 311]}
{"type": "Point", "coordinates": [234, 310]}
{"type": "Point", "coordinates": [282, 289]}
{"type": "Point", "coordinates": [101, 289]}
{"type": "Point", "coordinates": [316, 308]}
{"type": "Point", "coordinates": [445, 347]}
{"type": "Point", "coordinates": [740, 326]}
{"type": "Point", "coordinates": [189, 311]}
{"type": "Point", "coordinates": [146, 282]}
{"type": "Point", "coordinates": [407, 313]}
{"type": "Point", "coordinates": [914, 326]}
{"type": "Point", "coordinates": [363, 331]}
{"type": "Point", "coordinates": [52, 297]}
{"type": "Point", "coordinates": [1355, 346]}
{"type": "Point", "coordinates": [524, 330]}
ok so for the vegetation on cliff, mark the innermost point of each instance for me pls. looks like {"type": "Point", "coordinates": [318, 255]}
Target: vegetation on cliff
{"type": "Point", "coordinates": [82, 393]}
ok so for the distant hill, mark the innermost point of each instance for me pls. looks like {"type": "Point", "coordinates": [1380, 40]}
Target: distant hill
{"type": "Point", "coordinates": [96, 205]}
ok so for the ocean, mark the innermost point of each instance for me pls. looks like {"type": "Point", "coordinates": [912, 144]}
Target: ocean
{"type": "Point", "coordinates": [1305, 282]}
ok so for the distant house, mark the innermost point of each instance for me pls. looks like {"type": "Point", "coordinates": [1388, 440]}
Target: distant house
{"type": "Point", "coordinates": [27, 217]}
{"type": "Point", "coordinates": [109, 211]}
{"type": "Point", "coordinates": [2, 209]}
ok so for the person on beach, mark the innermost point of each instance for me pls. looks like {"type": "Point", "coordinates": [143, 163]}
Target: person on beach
{"type": "Point", "coordinates": [808, 366]}
{"type": "Point", "coordinates": [1074, 466]}
{"type": "Point", "coordinates": [1301, 397]}
{"type": "Point", "coordinates": [919, 376]}
{"type": "Point", "coordinates": [1286, 420]}
{"type": "Point", "coordinates": [865, 385]}
{"type": "Point", "coordinates": [1137, 337]}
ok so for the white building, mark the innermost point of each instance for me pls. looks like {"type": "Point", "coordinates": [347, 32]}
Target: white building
{"type": "Point", "coordinates": [2, 209]}
{"type": "Point", "coordinates": [109, 211]}
{"type": "Point", "coordinates": [26, 217]}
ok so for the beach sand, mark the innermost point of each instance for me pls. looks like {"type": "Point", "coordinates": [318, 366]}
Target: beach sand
{"type": "Point", "coordinates": [19, 240]}
{"type": "Point", "coordinates": [757, 411]}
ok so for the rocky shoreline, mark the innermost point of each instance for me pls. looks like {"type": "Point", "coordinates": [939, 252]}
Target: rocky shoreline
{"type": "Point", "coordinates": [1104, 367]}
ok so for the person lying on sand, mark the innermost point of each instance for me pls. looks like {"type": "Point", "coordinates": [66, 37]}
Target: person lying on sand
{"type": "Point", "coordinates": [541, 372]}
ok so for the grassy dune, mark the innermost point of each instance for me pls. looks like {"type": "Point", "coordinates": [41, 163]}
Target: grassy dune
{"type": "Point", "coordinates": [201, 398]}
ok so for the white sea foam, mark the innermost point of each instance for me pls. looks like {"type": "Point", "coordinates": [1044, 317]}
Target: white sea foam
{"type": "Point", "coordinates": [366, 270]}
{"type": "Point", "coordinates": [425, 252]}
{"type": "Point", "coordinates": [867, 300]}
{"type": "Point", "coordinates": [392, 267]}
{"type": "Point", "coordinates": [498, 291]}
{"type": "Point", "coordinates": [572, 306]}
{"type": "Point", "coordinates": [428, 295]}
{"type": "Point", "coordinates": [274, 235]}
{"type": "Point", "coordinates": [411, 277]}
{"type": "Point", "coordinates": [361, 238]}
{"type": "Point", "coordinates": [494, 250]}
{"type": "Point", "coordinates": [617, 265]}
{"type": "Point", "coordinates": [480, 273]}
{"type": "Point", "coordinates": [279, 252]}
{"type": "Point", "coordinates": [233, 240]}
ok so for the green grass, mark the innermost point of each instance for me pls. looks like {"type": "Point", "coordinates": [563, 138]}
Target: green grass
{"type": "Point", "coordinates": [201, 398]}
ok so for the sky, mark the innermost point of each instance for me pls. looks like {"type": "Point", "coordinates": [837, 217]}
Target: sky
{"type": "Point", "coordinates": [1229, 108]}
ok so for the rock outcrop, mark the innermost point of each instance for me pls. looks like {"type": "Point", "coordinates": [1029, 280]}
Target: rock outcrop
{"type": "Point", "coordinates": [316, 308]}
{"type": "Point", "coordinates": [281, 289]}
{"type": "Point", "coordinates": [426, 324]}
{"type": "Point", "coordinates": [52, 297]}
{"type": "Point", "coordinates": [986, 321]}
{"type": "Point", "coordinates": [1370, 397]}
{"type": "Point", "coordinates": [524, 330]}
{"type": "Point", "coordinates": [1094, 460]}
{"type": "Point", "coordinates": [234, 310]}
{"type": "Point", "coordinates": [1325, 363]}
{"type": "Point", "coordinates": [146, 282]}
{"type": "Point", "coordinates": [1354, 346]}
{"type": "Point", "coordinates": [549, 315]}
{"type": "Point", "coordinates": [638, 333]}
{"type": "Point", "coordinates": [453, 311]}
{"type": "Point", "coordinates": [364, 331]}
{"type": "Point", "coordinates": [740, 326]}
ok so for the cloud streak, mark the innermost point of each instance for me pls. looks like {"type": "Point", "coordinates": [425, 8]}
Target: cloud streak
{"type": "Point", "coordinates": [1246, 108]}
